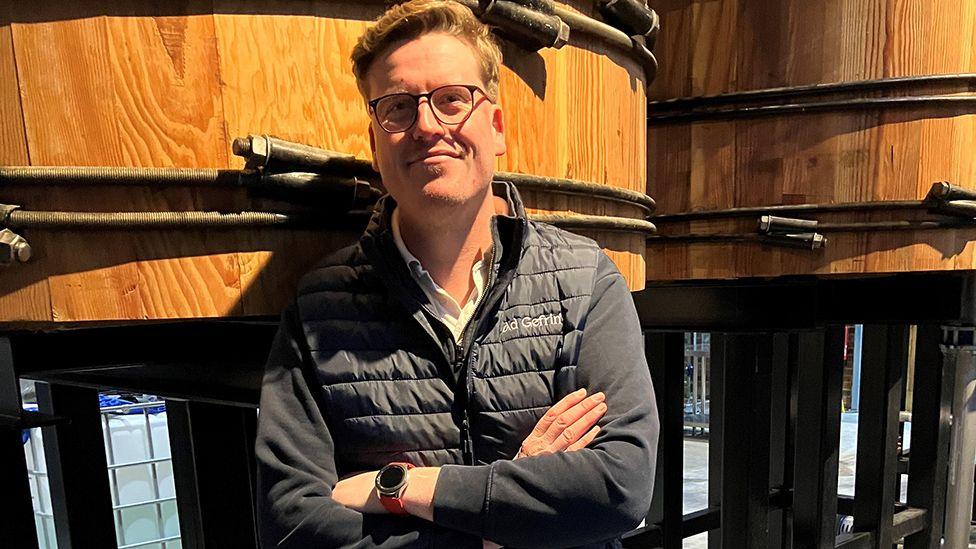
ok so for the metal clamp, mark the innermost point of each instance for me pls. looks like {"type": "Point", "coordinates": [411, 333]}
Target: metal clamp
{"type": "Point", "coordinates": [5, 211]}
{"type": "Point", "coordinates": [13, 247]}
{"type": "Point", "coordinates": [278, 168]}
{"type": "Point", "coordinates": [335, 191]}
{"type": "Point", "coordinates": [278, 155]}
{"type": "Point", "coordinates": [949, 199]}
{"type": "Point", "coordinates": [800, 233]}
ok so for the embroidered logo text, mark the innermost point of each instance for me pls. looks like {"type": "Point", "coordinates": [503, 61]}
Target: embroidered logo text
{"type": "Point", "coordinates": [550, 319]}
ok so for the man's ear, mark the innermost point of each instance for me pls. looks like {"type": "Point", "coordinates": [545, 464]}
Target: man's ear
{"type": "Point", "coordinates": [372, 147]}
{"type": "Point", "coordinates": [498, 124]}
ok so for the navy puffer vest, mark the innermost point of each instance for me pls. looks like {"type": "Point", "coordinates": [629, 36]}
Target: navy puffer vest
{"type": "Point", "coordinates": [395, 386]}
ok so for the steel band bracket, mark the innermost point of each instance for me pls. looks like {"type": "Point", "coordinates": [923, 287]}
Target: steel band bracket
{"type": "Point", "coordinates": [786, 231]}
{"type": "Point", "coordinates": [948, 199]}
{"type": "Point", "coordinates": [13, 247]}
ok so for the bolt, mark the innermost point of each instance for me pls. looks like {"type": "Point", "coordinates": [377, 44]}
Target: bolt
{"type": "Point", "coordinates": [819, 241]}
{"type": "Point", "coordinates": [940, 189]}
{"type": "Point", "coordinates": [242, 146]}
{"type": "Point", "coordinates": [562, 36]}
{"type": "Point", "coordinates": [23, 251]}
{"type": "Point", "coordinates": [255, 149]}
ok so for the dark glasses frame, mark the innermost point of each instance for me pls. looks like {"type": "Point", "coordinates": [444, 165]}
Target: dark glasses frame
{"type": "Point", "coordinates": [416, 102]}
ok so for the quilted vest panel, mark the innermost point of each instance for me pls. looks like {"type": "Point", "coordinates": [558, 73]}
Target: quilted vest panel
{"type": "Point", "coordinates": [386, 389]}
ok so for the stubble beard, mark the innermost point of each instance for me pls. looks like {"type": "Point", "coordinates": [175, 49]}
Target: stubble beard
{"type": "Point", "coordinates": [441, 191]}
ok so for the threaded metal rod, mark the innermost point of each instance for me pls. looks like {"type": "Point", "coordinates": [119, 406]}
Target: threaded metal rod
{"type": "Point", "coordinates": [20, 219]}
{"type": "Point", "coordinates": [141, 220]}
{"type": "Point", "coordinates": [36, 175]}
{"type": "Point", "coordinates": [101, 175]}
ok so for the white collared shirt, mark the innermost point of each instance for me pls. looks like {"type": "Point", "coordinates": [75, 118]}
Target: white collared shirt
{"type": "Point", "coordinates": [446, 308]}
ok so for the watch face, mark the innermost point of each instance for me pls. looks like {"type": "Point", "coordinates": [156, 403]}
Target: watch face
{"type": "Point", "coordinates": [391, 478]}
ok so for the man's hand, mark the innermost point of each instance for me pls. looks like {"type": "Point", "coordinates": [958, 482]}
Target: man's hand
{"type": "Point", "coordinates": [566, 427]}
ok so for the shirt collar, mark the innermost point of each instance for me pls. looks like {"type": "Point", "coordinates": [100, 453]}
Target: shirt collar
{"type": "Point", "coordinates": [410, 259]}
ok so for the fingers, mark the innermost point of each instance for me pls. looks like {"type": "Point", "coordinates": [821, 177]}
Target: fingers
{"type": "Point", "coordinates": [562, 427]}
{"type": "Point", "coordinates": [580, 427]}
{"type": "Point", "coordinates": [557, 409]}
{"type": "Point", "coordinates": [584, 441]}
{"type": "Point", "coordinates": [567, 424]}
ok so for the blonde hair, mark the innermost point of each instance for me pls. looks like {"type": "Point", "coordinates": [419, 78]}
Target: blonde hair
{"type": "Point", "coordinates": [416, 18]}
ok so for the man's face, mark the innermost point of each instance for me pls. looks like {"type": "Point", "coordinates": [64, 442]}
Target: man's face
{"type": "Point", "coordinates": [432, 166]}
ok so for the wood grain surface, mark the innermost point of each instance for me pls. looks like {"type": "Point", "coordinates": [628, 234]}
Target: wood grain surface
{"type": "Point", "coordinates": [709, 47]}
{"type": "Point", "coordinates": [172, 83]}
{"type": "Point", "coordinates": [24, 290]}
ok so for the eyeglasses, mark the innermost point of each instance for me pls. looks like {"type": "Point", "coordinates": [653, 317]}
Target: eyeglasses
{"type": "Point", "coordinates": [451, 104]}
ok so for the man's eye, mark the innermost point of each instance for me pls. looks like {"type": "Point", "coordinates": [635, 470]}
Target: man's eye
{"type": "Point", "coordinates": [453, 98]}
{"type": "Point", "coordinates": [393, 107]}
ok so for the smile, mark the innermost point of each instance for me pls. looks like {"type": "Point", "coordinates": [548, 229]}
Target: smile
{"type": "Point", "coordinates": [434, 157]}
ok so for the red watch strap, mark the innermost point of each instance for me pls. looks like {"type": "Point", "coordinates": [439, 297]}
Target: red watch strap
{"type": "Point", "coordinates": [394, 504]}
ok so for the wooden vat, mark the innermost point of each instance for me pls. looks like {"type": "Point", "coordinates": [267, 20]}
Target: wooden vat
{"type": "Point", "coordinates": [171, 84]}
{"type": "Point", "coordinates": [871, 150]}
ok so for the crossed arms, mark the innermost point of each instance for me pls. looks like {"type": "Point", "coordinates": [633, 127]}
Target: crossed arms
{"type": "Point", "coordinates": [553, 497]}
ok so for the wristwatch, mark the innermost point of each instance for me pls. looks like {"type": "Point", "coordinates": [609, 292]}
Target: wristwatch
{"type": "Point", "coordinates": [391, 481]}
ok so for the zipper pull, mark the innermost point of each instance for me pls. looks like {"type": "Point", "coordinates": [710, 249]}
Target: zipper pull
{"type": "Point", "coordinates": [467, 450]}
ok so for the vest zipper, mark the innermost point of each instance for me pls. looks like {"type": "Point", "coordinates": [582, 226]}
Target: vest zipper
{"type": "Point", "coordinates": [467, 442]}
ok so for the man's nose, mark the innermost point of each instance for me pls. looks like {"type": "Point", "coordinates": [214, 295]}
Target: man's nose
{"type": "Point", "coordinates": [427, 124]}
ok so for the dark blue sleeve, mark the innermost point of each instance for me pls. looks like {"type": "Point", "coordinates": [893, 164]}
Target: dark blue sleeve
{"type": "Point", "coordinates": [574, 498]}
{"type": "Point", "coordinates": [296, 468]}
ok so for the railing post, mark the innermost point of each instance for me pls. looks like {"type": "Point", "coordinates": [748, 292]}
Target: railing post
{"type": "Point", "coordinates": [213, 468]}
{"type": "Point", "coordinates": [959, 493]}
{"type": "Point", "coordinates": [819, 379]}
{"type": "Point", "coordinates": [18, 528]}
{"type": "Point", "coordinates": [665, 357]}
{"type": "Point", "coordinates": [929, 455]}
{"type": "Point", "coordinates": [885, 353]}
{"type": "Point", "coordinates": [75, 451]}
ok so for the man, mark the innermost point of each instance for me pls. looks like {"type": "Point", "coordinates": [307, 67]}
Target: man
{"type": "Point", "coordinates": [440, 367]}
